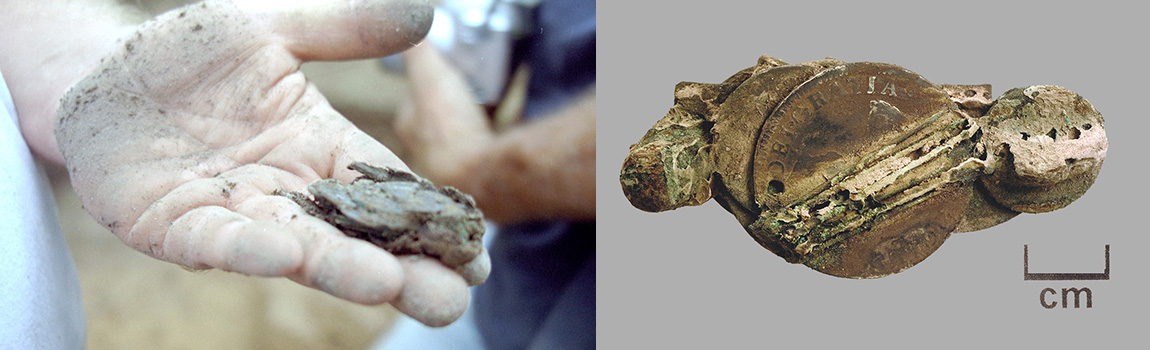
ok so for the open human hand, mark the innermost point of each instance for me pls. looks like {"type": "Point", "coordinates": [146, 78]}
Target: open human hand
{"type": "Point", "coordinates": [178, 139]}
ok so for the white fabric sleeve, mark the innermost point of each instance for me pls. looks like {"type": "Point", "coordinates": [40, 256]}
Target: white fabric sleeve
{"type": "Point", "coordinates": [40, 305]}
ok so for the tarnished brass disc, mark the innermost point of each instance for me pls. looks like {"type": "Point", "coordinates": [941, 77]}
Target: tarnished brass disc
{"type": "Point", "coordinates": [828, 125]}
{"type": "Point", "coordinates": [898, 240]}
{"type": "Point", "coordinates": [740, 118]}
{"type": "Point", "coordinates": [831, 122]}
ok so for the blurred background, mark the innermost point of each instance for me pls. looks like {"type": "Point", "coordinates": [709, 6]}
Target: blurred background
{"type": "Point", "coordinates": [136, 302]}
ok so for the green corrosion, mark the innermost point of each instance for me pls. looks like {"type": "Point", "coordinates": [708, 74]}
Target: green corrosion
{"type": "Point", "coordinates": [671, 165]}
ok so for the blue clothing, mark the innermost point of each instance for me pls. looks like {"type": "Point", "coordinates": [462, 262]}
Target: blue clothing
{"type": "Point", "coordinates": [541, 291]}
{"type": "Point", "coordinates": [561, 55]}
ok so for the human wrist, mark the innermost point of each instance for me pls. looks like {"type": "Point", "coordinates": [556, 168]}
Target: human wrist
{"type": "Point", "coordinates": [52, 46]}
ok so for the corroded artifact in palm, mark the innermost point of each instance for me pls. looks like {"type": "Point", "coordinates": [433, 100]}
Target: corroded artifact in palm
{"type": "Point", "coordinates": [863, 169]}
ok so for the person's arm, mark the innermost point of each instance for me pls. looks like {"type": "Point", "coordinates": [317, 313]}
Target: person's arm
{"type": "Point", "coordinates": [543, 170]}
{"type": "Point", "coordinates": [48, 47]}
{"type": "Point", "coordinates": [177, 135]}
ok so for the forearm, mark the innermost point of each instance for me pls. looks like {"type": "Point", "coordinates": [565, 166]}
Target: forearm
{"type": "Point", "coordinates": [541, 171]}
{"type": "Point", "coordinates": [50, 45]}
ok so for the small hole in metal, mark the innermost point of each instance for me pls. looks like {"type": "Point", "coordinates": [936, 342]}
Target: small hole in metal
{"type": "Point", "coordinates": [775, 187]}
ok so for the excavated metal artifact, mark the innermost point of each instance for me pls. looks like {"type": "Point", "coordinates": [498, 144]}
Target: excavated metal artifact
{"type": "Point", "coordinates": [399, 212]}
{"type": "Point", "coordinates": [863, 169]}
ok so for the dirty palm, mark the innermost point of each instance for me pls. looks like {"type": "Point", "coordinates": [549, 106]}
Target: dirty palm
{"type": "Point", "coordinates": [864, 169]}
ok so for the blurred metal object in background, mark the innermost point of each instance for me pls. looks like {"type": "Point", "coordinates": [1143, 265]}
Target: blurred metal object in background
{"type": "Point", "coordinates": [477, 37]}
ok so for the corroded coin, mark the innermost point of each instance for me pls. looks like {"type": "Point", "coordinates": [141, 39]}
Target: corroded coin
{"type": "Point", "coordinates": [740, 119]}
{"type": "Point", "coordinates": [899, 239]}
{"type": "Point", "coordinates": [834, 120]}
{"type": "Point", "coordinates": [862, 170]}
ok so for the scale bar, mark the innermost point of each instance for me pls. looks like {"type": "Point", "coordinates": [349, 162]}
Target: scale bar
{"type": "Point", "coordinates": [1046, 276]}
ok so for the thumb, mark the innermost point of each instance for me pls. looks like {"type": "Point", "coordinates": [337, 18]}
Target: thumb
{"type": "Point", "coordinates": [440, 90]}
{"type": "Point", "coordinates": [343, 29]}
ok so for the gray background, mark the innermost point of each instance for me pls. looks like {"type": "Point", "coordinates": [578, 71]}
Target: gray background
{"type": "Point", "coordinates": [692, 278]}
